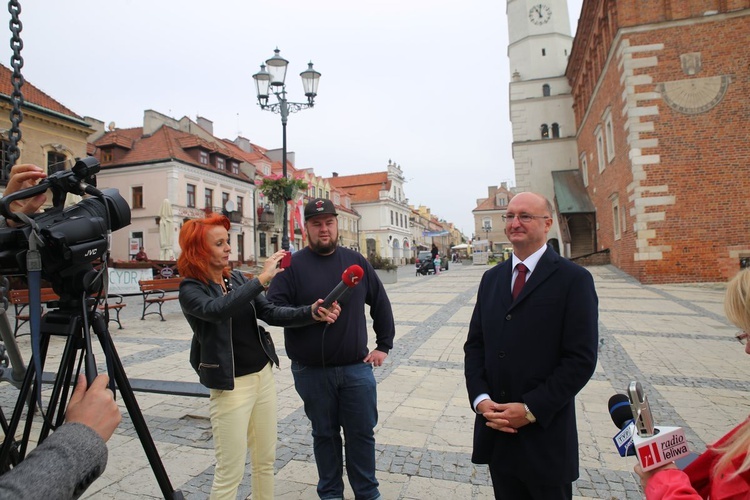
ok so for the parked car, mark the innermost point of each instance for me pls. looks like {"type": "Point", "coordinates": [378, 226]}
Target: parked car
{"type": "Point", "coordinates": [427, 255]}
{"type": "Point", "coordinates": [421, 257]}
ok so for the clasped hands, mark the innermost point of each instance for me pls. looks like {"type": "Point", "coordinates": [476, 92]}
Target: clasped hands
{"type": "Point", "coordinates": [503, 417]}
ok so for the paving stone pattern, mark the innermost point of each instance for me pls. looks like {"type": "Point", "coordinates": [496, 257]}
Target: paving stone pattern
{"type": "Point", "coordinates": [673, 338]}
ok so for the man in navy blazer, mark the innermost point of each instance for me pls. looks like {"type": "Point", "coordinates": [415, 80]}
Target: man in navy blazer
{"type": "Point", "coordinates": [526, 359]}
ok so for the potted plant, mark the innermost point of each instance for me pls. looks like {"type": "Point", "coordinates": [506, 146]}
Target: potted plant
{"type": "Point", "coordinates": [278, 190]}
{"type": "Point", "coordinates": [384, 268]}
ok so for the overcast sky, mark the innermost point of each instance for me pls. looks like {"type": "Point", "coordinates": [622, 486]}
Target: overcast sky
{"type": "Point", "coordinates": [423, 83]}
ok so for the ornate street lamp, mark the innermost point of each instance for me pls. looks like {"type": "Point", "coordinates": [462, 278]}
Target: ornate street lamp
{"type": "Point", "coordinates": [271, 81]}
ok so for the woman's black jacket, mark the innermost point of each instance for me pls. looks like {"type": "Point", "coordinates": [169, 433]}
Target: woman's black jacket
{"type": "Point", "coordinates": [209, 313]}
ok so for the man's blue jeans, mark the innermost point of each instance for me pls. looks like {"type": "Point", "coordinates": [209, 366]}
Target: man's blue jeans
{"type": "Point", "coordinates": [336, 397]}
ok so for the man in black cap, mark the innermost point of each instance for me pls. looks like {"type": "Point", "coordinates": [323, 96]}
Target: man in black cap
{"type": "Point", "coordinates": [332, 365]}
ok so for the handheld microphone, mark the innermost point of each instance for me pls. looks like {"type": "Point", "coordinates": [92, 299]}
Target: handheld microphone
{"type": "Point", "coordinates": [349, 279]}
{"type": "Point", "coordinates": [654, 446]}
{"type": "Point", "coordinates": [619, 410]}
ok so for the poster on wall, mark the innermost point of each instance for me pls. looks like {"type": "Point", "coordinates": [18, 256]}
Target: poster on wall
{"type": "Point", "coordinates": [134, 246]}
{"type": "Point", "coordinates": [125, 281]}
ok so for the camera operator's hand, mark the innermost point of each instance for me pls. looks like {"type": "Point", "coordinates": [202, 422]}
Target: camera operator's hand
{"type": "Point", "coordinates": [22, 177]}
{"type": "Point", "coordinates": [95, 407]}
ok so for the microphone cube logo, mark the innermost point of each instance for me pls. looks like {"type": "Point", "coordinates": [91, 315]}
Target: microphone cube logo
{"type": "Point", "coordinates": [649, 456]}
{"type": "Point", "coordinates": [667, 445]}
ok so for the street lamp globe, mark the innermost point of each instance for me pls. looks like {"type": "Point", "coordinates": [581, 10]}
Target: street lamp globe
{"type": "Point", "coordinates": [277, 67]}
{"type": "Point", "coordinates": [310, 79]}
{"type": "Point", "coordinates": [262, 84]}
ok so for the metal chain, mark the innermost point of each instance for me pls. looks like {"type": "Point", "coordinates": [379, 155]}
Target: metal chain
{"type": "Point", "coordinates": [16, 98]}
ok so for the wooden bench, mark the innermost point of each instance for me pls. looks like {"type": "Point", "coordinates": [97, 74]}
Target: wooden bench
{"type": "Point", "coordinates": [155, 293]}
{"type": "Point", "coordinates": [115, 306]}
{"type": "Point", "coordinates": [20, 300]}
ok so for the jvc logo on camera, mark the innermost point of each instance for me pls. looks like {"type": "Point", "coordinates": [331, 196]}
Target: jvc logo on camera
{"type": "Point", "coordinates": [91, 253]}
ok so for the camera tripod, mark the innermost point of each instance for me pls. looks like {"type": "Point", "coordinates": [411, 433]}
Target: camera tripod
{"type": "Point", "coordinates": [67, 321]}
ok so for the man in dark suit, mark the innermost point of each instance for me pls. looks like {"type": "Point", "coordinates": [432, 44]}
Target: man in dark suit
{"type": "Point", "coordinates": [527, 357]}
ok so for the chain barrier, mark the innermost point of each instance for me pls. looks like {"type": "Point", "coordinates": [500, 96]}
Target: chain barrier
{"type": "Point", "coordinates": [16, 98]}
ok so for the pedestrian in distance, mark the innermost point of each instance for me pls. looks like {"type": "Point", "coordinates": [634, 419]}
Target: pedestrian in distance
{"type": "Point", "coordinates": [232, 354]}
{"type": "Point", "coordinates": [331, 364]}
{"type": "Point", "coordinates": [141, 255]}
{"type": "Point", "coordinates": [722, 472]}
{"type": "Point", "coordinates": [531, 347]}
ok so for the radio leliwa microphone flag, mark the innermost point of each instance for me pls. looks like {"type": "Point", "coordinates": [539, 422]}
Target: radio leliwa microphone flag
{"type": "Point", "coordinates": [349, 279]}
{"type": "Point", "coordinates": [654, 446]}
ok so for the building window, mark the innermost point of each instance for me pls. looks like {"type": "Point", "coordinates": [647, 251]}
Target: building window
{"type": "Point", "coordinates": [224, 200]}
{"type": "Point", "coordinates": [545, 90]}
{"type": "Point", "coordinates": [4, 161]}
{"type": "Point", "coordinates": [555, 131]}
{"type": "Point", "coordinates": [240, 205]}
{"type": "Point", "coordinates": [241, 247]}
{"type": "Point", "coordinates": [584, 169]}
{"type": "Point", "coordinates": [610, 136]}
{"type": "Point", "coordinates": [107, 156]}
{"type": "Point", "coordinates": [320, 192]}
{"type": "Point", "coordinates": [55, 162]}
{"type": "Point", "coordinates": [262, 244]}
{"type": "Point", "coordinates": [266, 170]}
{"type": "Point", "coordinates": [328, 195]}
{"type": "Point", "coordinates": [235, 167]}
{"type": "Point", "coordinates": [312, 191]}
{"type": "Point", "coordinates": [545, 131]}
{"type": "Point", "coordinates": [220, 163]}
{"type": "Point", "coordinates": [616, 216]}
{"type": "Point", "coordinates": [136, 196]}
{"type": "Point", "coordinates": [599, 148]}
{"type": "Point", "coordinates": [191, 195]}
{"type": "Point", "coordinates": [336, 199]}
{"type": "Point", "coordinates": [391, 217]}
{"type": "Point", "coordinates": [209, 198]}
{"type": "Point", "coordinates": [203, 157]}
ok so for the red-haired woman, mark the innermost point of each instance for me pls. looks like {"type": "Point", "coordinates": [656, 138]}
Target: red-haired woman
{"type": "Point", "coordinates": [232, 354]}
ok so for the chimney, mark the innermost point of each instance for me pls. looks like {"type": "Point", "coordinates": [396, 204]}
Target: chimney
{"type": "Point", "coordinates": [504, 185]}
{"type": "Point", "coordinates": [205, 124]}
{"type": "Point", "coordinates": [335, 174]}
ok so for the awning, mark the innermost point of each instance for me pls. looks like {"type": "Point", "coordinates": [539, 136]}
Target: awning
{"type": "Point", "coordinates": [570, 193]}
{"type": "Point", "coordinates": [462, 246]}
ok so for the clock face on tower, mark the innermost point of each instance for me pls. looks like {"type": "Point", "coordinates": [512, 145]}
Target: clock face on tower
{"type": "Point", "coordinates": [539, 14]}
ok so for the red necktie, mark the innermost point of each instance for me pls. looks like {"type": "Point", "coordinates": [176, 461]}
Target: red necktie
{"type": "Point", "coordinates": [520, 280]}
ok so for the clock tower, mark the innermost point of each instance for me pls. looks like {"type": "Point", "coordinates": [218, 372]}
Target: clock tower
{"type": "Point", "coordinates": [541, 104]}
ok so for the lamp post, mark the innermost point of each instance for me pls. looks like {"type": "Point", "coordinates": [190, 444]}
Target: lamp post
{"type": "Point", "coordinates": [487, 229]}
{"type": "Point", "coordinates": [272, 82]}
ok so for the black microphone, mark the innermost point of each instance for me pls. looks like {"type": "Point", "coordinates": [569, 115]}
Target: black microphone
{"type": "Point", "coordinates": [349, 279]}
{"type": "Point", "coordinates": [622, 416]}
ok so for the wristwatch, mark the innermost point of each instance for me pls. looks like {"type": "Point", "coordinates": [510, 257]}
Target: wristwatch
{"type": "Point", "coordinates": [529, 416]}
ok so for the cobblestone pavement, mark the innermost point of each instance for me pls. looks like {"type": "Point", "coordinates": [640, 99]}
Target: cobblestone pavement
{"type": "Point", "coordinates": [673, 338]}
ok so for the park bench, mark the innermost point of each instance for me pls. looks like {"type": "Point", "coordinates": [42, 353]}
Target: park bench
{"type": "Point", "coordinates": [20, 301]}
{"type": "Point", "coordinates": [155, 292]}
{"type": "Point", "coordinates": [113, 306]}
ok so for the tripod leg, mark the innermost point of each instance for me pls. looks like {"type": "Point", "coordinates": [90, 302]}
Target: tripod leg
{"type": "Point", "coordinates": [63, 378]}
{"type": "Point", "coordinates": [100, 328]}
{"type": "Point", "coordinates": [10, 447]}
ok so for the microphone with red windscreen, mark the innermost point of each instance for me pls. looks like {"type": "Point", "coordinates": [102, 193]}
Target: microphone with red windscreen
{"type": "Point", "coordinates": [349, 279]}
